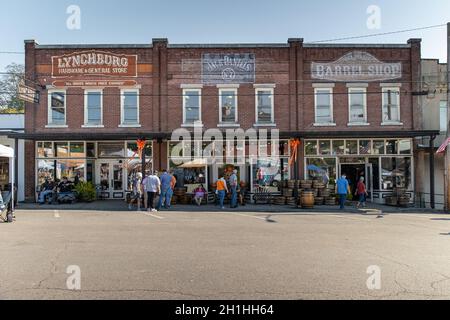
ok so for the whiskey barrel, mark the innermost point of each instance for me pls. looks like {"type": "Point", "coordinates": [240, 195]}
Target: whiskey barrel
{"type": "Point", "coordinates": [307, 199]}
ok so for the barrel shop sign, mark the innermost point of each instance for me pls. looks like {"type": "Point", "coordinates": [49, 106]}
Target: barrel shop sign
{"type": "Point", "coordinates": [228, 68]}
{"type": "Point", "coordinates": [356, 66]}
{"type": "Point", "coordinates": [94, 63]}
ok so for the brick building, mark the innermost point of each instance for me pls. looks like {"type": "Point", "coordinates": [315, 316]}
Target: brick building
{"type": "Point", "coordinates": [354, 107]}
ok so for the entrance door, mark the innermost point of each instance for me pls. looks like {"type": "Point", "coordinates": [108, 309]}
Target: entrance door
{"type": "Point", "coordinates": [110, 176]}
{"type": "Point", "coordinates": [353, 173]}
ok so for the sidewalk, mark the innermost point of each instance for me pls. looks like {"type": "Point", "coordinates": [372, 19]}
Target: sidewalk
{"type": "Point", "coordinates": [120, 205]}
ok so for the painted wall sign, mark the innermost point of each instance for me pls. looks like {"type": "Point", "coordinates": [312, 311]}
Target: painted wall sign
{"type": "Point", "coordinates": [228, 68]}
{"type": "Point", "coordinates": [94, 83]}
{"type": "Point", "coordinates": [27, 94]}
{"type": "Point", "coordinates": [94, 63]}
{"type": "Point", "coordinates": [356, 66]}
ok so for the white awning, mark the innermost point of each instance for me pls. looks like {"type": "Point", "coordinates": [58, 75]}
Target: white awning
{"type": "Point", "coordinates": [6, 152]}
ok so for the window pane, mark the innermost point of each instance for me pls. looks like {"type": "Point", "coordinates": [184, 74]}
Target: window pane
{"type": "Point", "coordinates": [405, 146]}
{"type": "Point", "coordinates": [192, 106]}
{"type": "Point", "coordinates": [365, 147]}
{"type": "Point", "coordinates": [110, 149]}
{"type": "Point", "coordinates": [70, 169]}
{"type": "Point", "coordinates": [311, 148]}
{"type": "Point", "coordinates": [45, 169]}
{"type": "Point", "coordinates": [270, 173]}
{"type": "Point", "coordinates": [378, 147]}
{"type": "Point", "coordinates": [77, 149]}
{"type": "Point", "coordinates": [391, 147]}
{"type": "Point", "coordinates": [338, 147]}
{"type": "Point", "coordinates": [327, 166]}
{"type": "Point", "coordinates": [351, 146]}
{"type": "Point", "coordinates": [396, 173]}
{"type": "Point", "coordinates": [391, 100]}
{"type": "Point", "coordinates": [357, 102]}
{"type": "Point", "coordinates": [264, 107]}
{"type": "Point", "coordinates": [323, 106]}
{"type": "Point", "coordinates": [324, 147]}
{"type": "Point", "coordinates": [61, 149]}
{"type": "Point", "coordinates": [45, 149]}
{"type": "Point", "coordinates": [58, 108]}
{"type": "Point", "coordinates": [90, 149]}
{"type": "Point", "coordinates": [228, 105]}
{"type": "Point", "coordinates": [443, 121]}
{"type": "Point", "coordinates": [130, 107]}
{"type": "Point", "coordinates": [94, 107]}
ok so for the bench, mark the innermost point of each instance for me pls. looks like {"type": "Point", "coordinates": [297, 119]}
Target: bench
{"type": "Point", "coordinates": [262, 194]}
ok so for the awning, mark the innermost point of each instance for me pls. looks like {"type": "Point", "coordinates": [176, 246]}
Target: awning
{"type": "Point", "coordinates": [6, 152]}
{"type": "Point", "coordinates": [197, 163]}
{"type": "Point", "coordinates": [443, 146]}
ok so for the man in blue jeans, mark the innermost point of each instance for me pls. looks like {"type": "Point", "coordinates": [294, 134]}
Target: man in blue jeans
{"type": "Point", "coordinates": [342, 190]}
{"type": "Point", "coordinates": [234, 184]}
{"type": "Point", "coordinates": [164, 197]}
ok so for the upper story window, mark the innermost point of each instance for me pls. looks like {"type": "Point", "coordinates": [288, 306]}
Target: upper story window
{"type": "Point", "coordinates": [323, 106]}
{"type": "Point", "coordinates": [129, 107]}
{"type": "Point", "coordinates": [57, 108]}
{"type": "Point", "coordinates": [93, 105]}
{"type": "Point", "coordinates": [357, 105]}
{"type": "Point", "coordinates": [228, 105]}
{"type": "Point", "coordinates": [391, 105]}
{"type": "Point", "coordinates": [192, 106]}
{"type": "Point", "coordinates": [264, 105]}
{"type": "Point", "coordinates": [443, 117]}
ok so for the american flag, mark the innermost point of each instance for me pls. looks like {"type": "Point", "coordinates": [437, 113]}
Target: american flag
{"type": "Point", "coordinates": [443, 146]}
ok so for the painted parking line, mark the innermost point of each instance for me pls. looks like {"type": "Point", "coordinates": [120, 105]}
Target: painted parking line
{"type": "Point", "coordinates": [153, 215]}
{"type": "Point", "coordinates": [56, 214]}
{"type": "Point", "coordinates": [350, 218]}
{"type": "Point", "coordinates": [246, 215]}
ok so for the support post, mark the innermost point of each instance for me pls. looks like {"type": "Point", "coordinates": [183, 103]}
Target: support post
{"type": "Point", "coordinates": [432, 187]}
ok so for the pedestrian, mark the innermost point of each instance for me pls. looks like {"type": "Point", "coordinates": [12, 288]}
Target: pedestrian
{"type": "Point", "coordinates": [144, 189]}
{"type": "Point", "coordinates": [342, 190]}
{"type": "Point", "coordinates": [221, 190]}
{"type": "Point", "coordinates": [233, 186]}
{"type": "Point", "coordinates": [136, 194]}
{"type": "Point", "coordinates": [242, 193]}
{"type": "Point", "coordinates": [166, 190]}
{"type": "Point", "coordinates": [361, 192]}
{"type": "Point", "coordinates": [153, 187]}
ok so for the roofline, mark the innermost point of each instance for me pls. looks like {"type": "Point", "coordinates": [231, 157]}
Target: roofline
{"type": "Point", "coordinates": [94, 46]}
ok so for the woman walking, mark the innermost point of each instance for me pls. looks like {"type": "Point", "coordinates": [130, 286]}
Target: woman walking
{"type": "Point", "coordinates": [361, 192]}
{"type": "Point", "coordinates": [222, 190]}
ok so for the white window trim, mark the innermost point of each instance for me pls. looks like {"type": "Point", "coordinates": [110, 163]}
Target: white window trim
{"type": "Point", "coordinates": [49, 109]}
{"type": "Point", "coordinates": [235, 91]}
{"type": "Point", "coordinates": [86, 124]}
{"type": "Point", "coordinates": [393, 122]}
{"type": "Point", "coordinates": [270, 88]}
{"type": "Point", "coordinates": [199, 121]}
{"type": "Point", "coordinates": [122, 110]}
{"type": "Point", "coordinates": [357, 123]}
{"type": "Point", "coordinates": [324, 124]}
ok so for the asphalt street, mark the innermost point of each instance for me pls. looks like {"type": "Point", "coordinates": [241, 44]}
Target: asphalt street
{"type": "Point", "coordinates": [224, 255]}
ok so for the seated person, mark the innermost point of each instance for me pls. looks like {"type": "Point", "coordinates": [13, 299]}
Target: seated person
{"type": "Point", "coordinates": [65, 186]}
{"type": "Point", "coordinates": [48, 187]}
{"type": "Point", "coordinates": [199, 194]}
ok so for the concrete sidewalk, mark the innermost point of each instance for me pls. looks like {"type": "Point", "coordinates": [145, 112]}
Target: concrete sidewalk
{"type": "Point", "coordinates": [120, 205]}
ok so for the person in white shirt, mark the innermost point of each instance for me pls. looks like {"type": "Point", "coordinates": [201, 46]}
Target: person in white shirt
{"type": "Point", "coordinates": [153, 188]}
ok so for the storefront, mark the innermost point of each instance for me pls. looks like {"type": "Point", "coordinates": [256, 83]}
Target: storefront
{"type": "Point", "coordinates": [384, 163]}
{"type": "Point", "coordinates": [109, 165]}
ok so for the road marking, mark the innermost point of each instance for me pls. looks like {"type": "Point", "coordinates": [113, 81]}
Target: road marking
{"type": "Point", "coordinates": [153, 215]}
{"type": "Point", "coordinates": [351, 218]}
{"type": "Point", "coordinates": [56, 214]}
{"type": "Point", "coordinates": [247, 215]}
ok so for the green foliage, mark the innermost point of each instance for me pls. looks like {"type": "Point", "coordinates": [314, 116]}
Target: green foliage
{"type": "Point", "coordinates": [86, 191]}
{"type": "Point", "coordinates": [9, 101]}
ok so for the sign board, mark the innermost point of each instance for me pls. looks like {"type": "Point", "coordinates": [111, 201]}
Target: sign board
{"type": "Point", "coordinates": [94, 83]}
{"type": "Point", "coordinates": [27, 94]}
{"type": "Point", "coordinates": [356, 66]}
{"type": "Point", "coordinates": [94, 63]}
{"type": "Point", "coordinates": [233, 68]}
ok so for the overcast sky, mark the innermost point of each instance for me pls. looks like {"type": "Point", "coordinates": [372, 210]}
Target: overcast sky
{"type": "Point", "coordinates": [210, 21]}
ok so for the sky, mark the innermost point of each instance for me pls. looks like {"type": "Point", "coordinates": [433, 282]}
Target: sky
{"type": "Point", "coordinates": [213, 21]}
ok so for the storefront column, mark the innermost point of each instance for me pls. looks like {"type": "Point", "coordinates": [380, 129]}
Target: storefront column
{"type": "Point", "coordinates": [432, 189]}
{"type": "Point", "coordinates": [16, 170]}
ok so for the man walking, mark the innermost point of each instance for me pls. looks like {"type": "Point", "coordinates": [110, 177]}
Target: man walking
{"type": "Point", "coordinates": [233, 185]}
{"type": "Point", "coordinates": [166, 190]}
{"type": "Point", "coordinates": [153, 187]}
{"type": "Point", "coordinates": [342, 188]}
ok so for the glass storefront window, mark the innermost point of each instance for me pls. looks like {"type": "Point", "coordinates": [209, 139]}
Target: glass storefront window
{"type": "Point", "coordinates": [391, 147]}
{"type": "Point", "coordinates": [405, 146]}
{"type": "Point", "coordinates": [351, 146]}
{"type": "Point", "coordinates": [90, 150]}
{"type": "Point", "coordinates": [325, 147]}
{"type": "Point", "coordinates": [45, 169]}
{"type": "Point", "coordinates": [365, 147]}
{"type": "Point", "coordinates": [61, 149]}
{"type": "Point", "coordinates": [45, 149]}
{"type": "Point", "coordinates": [378, 147]}
{"type": "Point", "coordinates": [396, 173]}
{"type": "Point", "coordinates": [188, 177]}
{"type": "Point", "coordinates": [77, 150]}
{"type": "Point", "coordinates": [70, 169]}
{"type": "Point", "coordinates": [338, 147]}
{"type": "Point", "coordinates": [269, 172]}
{"type": "Point", "coordinates": [311, 147]}
{"type": "Point", "coordinates": [111, 149]}
{"type": "Point", "coordinates": [326, 166]}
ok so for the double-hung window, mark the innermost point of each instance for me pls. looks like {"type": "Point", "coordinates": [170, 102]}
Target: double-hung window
{"type": "Point", "coordinates": [93, 106]}
{"type": "Point", "coordinates": [264, 106]}
{"type": "Point", "coordinates": [57, 108]}
{"type": "Point", "coordinates": [391, 105]}
{"type": "Point", "coordinates": [323, 106]}
{"type": "Point", "coordinates": [443, 118]}
{"type": "Point", "coordinates": [228, 106]}
{"type": "Point", "coordinates": [129, 107]}
{"type": "Point", "coordinates": [192, 106]}
{"type": "Point", "coordinates": [357, 105]}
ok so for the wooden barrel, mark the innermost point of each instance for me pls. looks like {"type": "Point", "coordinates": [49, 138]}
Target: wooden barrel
{"type": "Point", "coordinates": [307, 200]}
{"type": "Point", "coordinates": [318, 201]}
{"type": "Point", "coordinates": [288, 192]}
{"type": "Point", "coordinates": [291, 201]}
{"type": "Point", "coordinates": [330, 201]}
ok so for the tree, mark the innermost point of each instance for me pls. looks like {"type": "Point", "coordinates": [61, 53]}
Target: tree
{"type": "Point", "coordinates": [9, 99]}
